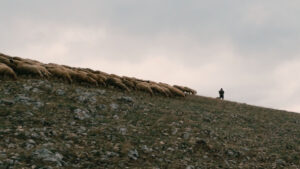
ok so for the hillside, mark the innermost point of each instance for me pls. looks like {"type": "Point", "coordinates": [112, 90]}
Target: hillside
{"type": "Point", "coordinates": [52, 123]}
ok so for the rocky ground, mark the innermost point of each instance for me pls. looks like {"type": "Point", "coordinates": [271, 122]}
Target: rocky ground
{"type": "Point", "coordinates": [48, 124]}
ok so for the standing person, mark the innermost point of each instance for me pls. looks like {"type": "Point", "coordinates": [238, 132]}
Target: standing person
{"type": "Point", "coordinates": [221, 93]}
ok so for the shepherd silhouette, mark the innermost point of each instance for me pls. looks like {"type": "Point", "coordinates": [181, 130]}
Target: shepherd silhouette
{"type": "Point", "coordinates": [221, 93]}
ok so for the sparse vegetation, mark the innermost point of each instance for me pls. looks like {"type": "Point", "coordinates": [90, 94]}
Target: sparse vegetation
{"type": "Point", "coordinates": [50, 124]}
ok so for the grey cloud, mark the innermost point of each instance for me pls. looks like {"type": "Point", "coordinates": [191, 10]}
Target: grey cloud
{"type": "Point", "coordinates": [239, 45]}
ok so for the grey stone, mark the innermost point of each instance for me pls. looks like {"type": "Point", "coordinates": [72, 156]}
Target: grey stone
{"type": "Point", "coordinates": [133, 154]}
{"type": "Point", "coordinates": [82, 98]}
{"type": "Point", "coordinates": [81, 130]}
{"type": "Point", "coordinates": [11, 162]}
{"type": "Point", "coordinates": [174, 131]}
{"type": "Point", "coordinates": [280, 162]}
{"type": "Point", "coordinates": [27, 88]}
{"type": "Point", "coordinates": [38, 104]}
{"type": "Point", "coordinates": [7, 102]}
{"type": "Point", "coordinates": [35, 90]}
{"type": "Point", "coordinates": [22, 98]}
{"type": "Point", "coordinates": [3, 155]}
{"type": "Point", "coordinates": [87, 97]}
{"type": "Point", "coordinates": [30, 141]}
{"type": "Point", "coordinates": [81, 114]}
{"type": "Point", "coordinates": [60, 92]}
{"type": "Point", "coordinates": [28, 146]}
{"type": "Point", "coordinates": [34, 135]}
{"type": "Point", "coordinates": [78, 90]}
{"type": "Point", "coordinates": [48, 156]}
{"type": "Point", "coordinates": [190, 167]}
{"type": "Point", "coordinates": [126, 99]}
{"type": "Point", "coordinates": [92, 100]}
{"type": "Point", "coordinates": [123, 130]}
{"type": "Point", "coordinates": [101, 106]}
{"type": "Point", "coordinates": [101, 92]}
{"type": "Point", "coordinates": [111, 154]}
{"type": "Point", "coordinates": [186, 135]}
{"type": "Point", "coordinates": [114, 106]}
{"type": "Point", "coordinates": [170, 149]}
{"type": "Point", "coordinates": [11, 145]}
{"type": "Point", "coordinates": [146, 149]}
{"type": "Point", "coordinates": [230, 153]}
{"type": "Point", "coordinates": [29, 113]}
{"type": "Point", "coordinates": [116, 117]}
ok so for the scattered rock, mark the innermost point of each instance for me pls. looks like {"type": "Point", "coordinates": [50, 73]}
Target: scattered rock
{"type": "Point", "coordinates": [170, 149]}
{"type": "Point", "coordinates": [26, 87]}
{"type": "Point", "coordinates": [114, 106]}
{"type": "Point", "coordinates": [11, 145]}
{"type": "Point", "coordinates": [101, 92]}
{"type": "Point", "coordinates": [190, 167]}
{"type": "Point", "coordinates": [3, 155]}
{"type": "Point", "coordinates": [280, 162]}
{"type": "Point", "coordinates": [29, 144]}
{"type": "Point", "coordinates": [8, 102]}
{"type": "Point", "coordinates": [48, 156]}
{"type": "Point", "coordinates": [36, 90]}
{"type": "Point", "coordinates": [87, 97]}
{"type": "Point", "coordinates": [111, 154]}
{"type": "Point", "coordinates": [174, 131]}
{"type": "Point", "coordinates": [123, 130]}
{"type": "Point", "coordinates": [101, 107]}
{"type": "Point", "coordinates": [28, 113]}
{"type": "Point", "coordinates": [81, 114]}
{"type": "Point", "coordinates": [125, 99]}
{"type": "Point", "coordinates": [146, 149]}
{"type": "Point", "coordinates": [116, 117]}
{"type": "Point", "coordinates": [38, 105]}
{"type": "Point", "coordinates": [186, 135]}
{"type": "Point", "coordinates": [60, 92]}
{"type": "Point", "coordinates": [23, 99]}
{"type": "Point", "coordinates": [133, 154]}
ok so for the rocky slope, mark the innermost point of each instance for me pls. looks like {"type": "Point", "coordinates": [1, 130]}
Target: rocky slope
{"type": "Point", "coordinates": [50, 124]}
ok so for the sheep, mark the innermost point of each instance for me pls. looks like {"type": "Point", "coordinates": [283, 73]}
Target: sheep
{"type": "Point", "coordinates": [144, 86]}
{"type": "Point", "coordinates": [85, 75]}
{"type": "Point", "coordinates": [193, 92]}
{"type": "Point", "coordinates": [29, 69]}
{"type": "Point", "coordinates": [59, 72]}
{"type": "Point", "coordinates": [158, 89]}
{"type": "Point", "coordinates": [9, 65]}
{"type": "Point", "coordinates": [173, 90]}
{"type": "Point", "coordinates": [81, 76]}
{"type": "Point", "coordinates": [98, 76]}
{"type": "Point", "coordinates": [176, 92]}
{"type": "Point", "coordinates": [5, 59]}
{"type": "Point", "coordinates": [166, 90]}
{"type": "Point", "coordinates": [186, 89]}
{"type": "Point", "coordinates": [101, 75]}
{"type": "Point", "coordinates": [128, 82]}
{"type": "Point", "coordinates": [100, 79]}
{"type": "Point", "coordinates": [114, 81]}
{"type": "Point", "coordinates": [7, 71]}
{"type": "Point", "coordinates": [28, 61]}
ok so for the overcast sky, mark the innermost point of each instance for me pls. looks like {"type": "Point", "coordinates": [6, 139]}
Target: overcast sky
{"type": "Point", "coordinates": [250, 48]}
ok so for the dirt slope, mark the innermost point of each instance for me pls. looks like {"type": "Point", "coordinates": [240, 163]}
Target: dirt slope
{"type": "Point", "coordinates": [50, 124]}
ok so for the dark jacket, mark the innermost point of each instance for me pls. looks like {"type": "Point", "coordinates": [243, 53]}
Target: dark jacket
{"type": "Point", "coordinates": [221, 92]}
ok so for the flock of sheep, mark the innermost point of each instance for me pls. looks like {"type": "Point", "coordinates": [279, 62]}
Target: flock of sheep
{"type": "Point", "coordinates": [12, 67]}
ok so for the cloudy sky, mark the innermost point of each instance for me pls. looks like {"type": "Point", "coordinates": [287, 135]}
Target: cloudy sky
{"type": "Point", "coordinates": [250, 48]}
